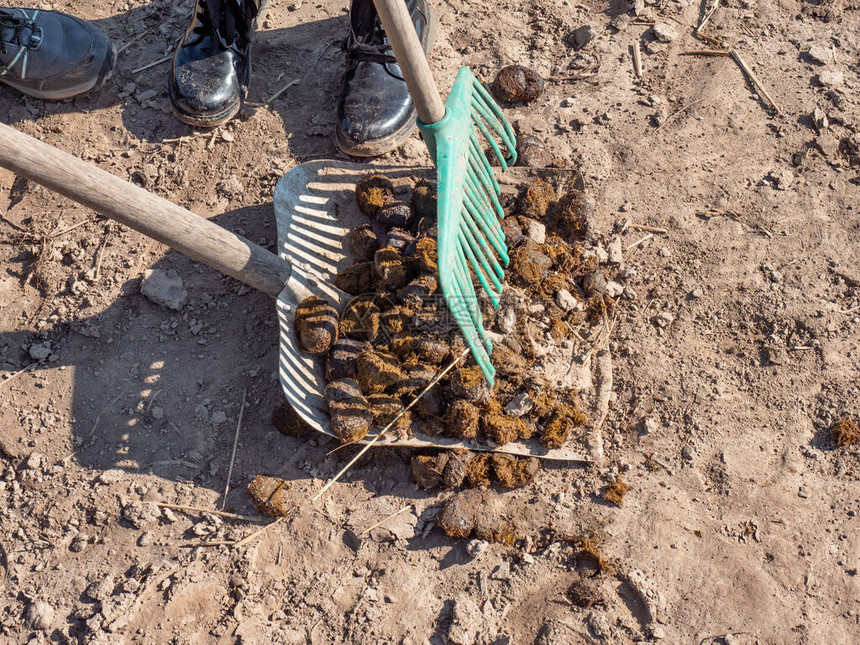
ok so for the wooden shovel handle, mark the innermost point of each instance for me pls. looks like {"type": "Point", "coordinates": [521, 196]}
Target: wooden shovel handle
{"type": "Point", "coordinates": [154, 216]}
{"type": "Point", "coordinates": [411, 58]}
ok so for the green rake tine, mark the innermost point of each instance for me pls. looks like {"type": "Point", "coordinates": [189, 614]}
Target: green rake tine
{"type": "Point", "coordinates": [475, 170]}
{"type": "Point", "coordinates": [491, 140]}
{"type": "Point", "coordinates": [480, 238]}
{"type": "Point", "coordinates": [482, 275]}
{"type": "Point", "coordinates": [480, 216]}
{"type": "Point", "coordinates": [480, 159]}
{"type": "Point", "coordinates": [506, 132]}
{"type": "Point", "coordinates": [474, 311]}
{"type": "Point", "coordinates": [474, 235]}
{"type": "Point", "coordinates": [488, 200]}
{"type": "Point", "coordinates": [476, 257]}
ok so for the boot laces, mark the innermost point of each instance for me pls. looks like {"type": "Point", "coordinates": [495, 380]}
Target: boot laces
{"type": "Point", "coordinates": [370, 49]}
{"type": "Point", "coordinates": [229, 20]}
{"type": "Point", "coordinates": [21, 32]}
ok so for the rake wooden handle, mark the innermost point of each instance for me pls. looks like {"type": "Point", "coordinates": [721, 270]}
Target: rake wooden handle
{"type": "Point", "coordinates": [411, 58]}
{"type": "Point", "coordinates": [154, 216]}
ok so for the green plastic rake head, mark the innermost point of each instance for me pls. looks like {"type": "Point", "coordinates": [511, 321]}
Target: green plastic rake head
{"type": "Point", "coordinates": [470, 236]}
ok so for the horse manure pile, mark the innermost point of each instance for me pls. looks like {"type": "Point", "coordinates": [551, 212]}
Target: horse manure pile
{"type": "Point", "coordinates": [397, 334]}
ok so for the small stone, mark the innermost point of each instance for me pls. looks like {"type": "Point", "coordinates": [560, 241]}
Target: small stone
{"type": "Point", "coordinates": [782, 179]}
{"type": "Point", "coordinates": [79, 543]}
{"type": "Point", "coordinates": [520, 405]}
{"type": "Point", "coordinates": [35, 461]}
{"type": "Point", "coordinates": [164, 288]}
{"type": "Point", "coordinates": [828, 144]}
{"type": "Point", "coordinates": [664, 319]}
{"type": "Point", "coordinates": [615, 251]}
{"type": "Point", "coordinates": [803, 493]}
{"type": "Point", "coordinates": [219, 417]}
{"type": "Point", "coordinates": [476, 547]}
{"type": "Point", "coordinates": [101, 589]}
{"type": "Point", "coordinates": [231, 187]}
{"type": "Point", "coordinates": [613, 289]}
{"type": "Point", "coordinates": [594, 283]}
{"type": "Point", "coordinates": [620, 22]}
{"type": "Point", "coordinates": [40, 351]}
{"type": "Point", "coordinates": [664, 32]}
{"type": "Point", "coordinates": [657, 632]}
{"type": "Point", "coordinates": [582, 36]}
{"type": "Point", "coordinates": [501, 572]}
{"type": "Point", "coordinates": [141, 514]}
{"type": "Point", "coordinates": [831, 78]}
{"type": "Point", "coordinates": [529, 266]}
{"type": "Point", "coordinates": [565, 300]}
{"type": "Point", "coordinates": [111, 476]}
{"type": "Point", "coordinates": [40, 616]}
{"type": "Point", "coordinates": [534, 230]}
{"type": "Point", "coordinates": [819, 54]}
{"type": "Point", "coordinates": [695, 294]}
{"type": "Point", "coordinates": [506, 320]}
{"type": "Point", "coordinates": [157, 412]}
{"type": "Point", "coordinates": [648, 426]}
{"type": "Point", "coordinates": [516, 83]}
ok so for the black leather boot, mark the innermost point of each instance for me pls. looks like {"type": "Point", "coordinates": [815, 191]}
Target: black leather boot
{"type": "Point", "coordinates": [375, 114]}
{"type": "Point", "coordinates": [212, 63]}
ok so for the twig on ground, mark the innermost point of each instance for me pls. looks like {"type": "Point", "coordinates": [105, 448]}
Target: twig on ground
{"type": "Point", "coordinates": [70, 229]}
{"type": "Point", "coordinates": [21, 371]}
{"type": "Point", "coordinates": [677, 112]}
{"type": "Point", "coordinates": [131, 42]}
{"type": "Point", "coordinates": [759, 88]}
{"type": "Point", "coordinates": [639, 241]}
{"type": "Point", "coordinates": [233, 456]}
{"type": "Point", "coordinates": [707, 17]}
{"type": "Point", "coordinates": [370, 443]}
{"type": "Point", "coordinates": [198, 509]}
{"type": "Point", "coordinates": [269, 100]}
{"type": "Point", "coordinates": [604, 393]}
{"type": "Point", "coordinates": [841, 311]}
{"type": "Point", "coordinates": [152, 64]}
{"type": "Point", "coordinates": [706, 52]}
{"type": "Point", "coordinates": [637, 59]}
{"type": "Point", "coordinates": [650, 229]}
{"type": "Point", "coordinates": [716, 42]}
{"type": "Point", "coordinates": [384, 520]}
{"type": "Point", "coordinates": [99, 415]}
{"type": "Point", "coordinates": [261, 530]}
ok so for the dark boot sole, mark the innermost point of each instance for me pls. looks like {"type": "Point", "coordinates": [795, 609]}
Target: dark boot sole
{"type": "Point", "coordinates": [397, 138]}
{"type": "Point", "coordinates": [91, 85]}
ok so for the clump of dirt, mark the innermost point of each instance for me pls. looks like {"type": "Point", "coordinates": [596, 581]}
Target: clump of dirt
{"type": "Point", "coordinates": [468, 383]}
{"type": "Point", "coordinates": [478, 472]}
{"type": "Point", "coordinates": [426, 253]}
{"type": "Point", "coordinates": [400, 240]}
{"type": "Point", "coordinates": [392, 268]}
{"type": "Point", "coordinates": [615, 492]}
{"type": "Point", "coordinates": [528, 265]}
{"type": "Point", "coordinates": [349, 410]}
{"type": "Point", "coordinates": [395, 215]}
{"type": "Point", "coordinates": [412, 349]}
{"type": "Point", "coordinates": [360, 320]}
{"type": "Point", "coordinates": [499, 427]}
{"type": "Point", "coordinates": [372, 193]}
{"type": "Point", "coordinates": [377, 370]}
{"type": "Point", "coordinates": [343, 358]}
{"type": "Point", "coordinates": [585, 593]}
{"type": "Point", "coordinates": [357, 279]}
{"type": "Point", "coordinates": [572, 215]}
{"type": "Point", "coordinates": [424, 200]}
{"type": "Point", "coordinates": [456, 468]}
{"type": "Point", "coordinates": [427, 470]}
{"type": "Point", "coordinates": [461, 420]}
{"type": "Point", "coordinates": [385, 409]}
{"type": "Point", "coordinates": [268, 495]}
{"type": "Point", "coordinates": [316, 325]}
{"type": "Point", "coordinates": [477, 511]}
{"type": "Point", "coordinates": [364, 243]}
{"type": "Point", "coordinates": [413, 295]}
{"type": "Point", "coordinates": [287, 421]}
{"type": "Point", "coordinates": [516, 83]}
{"type": "Point", "coordinates": [513, 472]}
{"type": "Point", "coordinates": [536, 200]}
{"type": "Point", "coordinates": [845, 432]}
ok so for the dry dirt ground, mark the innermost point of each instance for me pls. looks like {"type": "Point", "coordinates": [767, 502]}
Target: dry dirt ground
{"type": "Point", "coordinates": [738, 352]}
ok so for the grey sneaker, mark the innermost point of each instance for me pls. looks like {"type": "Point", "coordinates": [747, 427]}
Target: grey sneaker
{"type": "Point", "coordinates": [52, 55]}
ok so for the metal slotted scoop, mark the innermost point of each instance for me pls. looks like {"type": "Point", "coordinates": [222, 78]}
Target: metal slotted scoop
{"type": "Point", "coordinates": [315, 209]}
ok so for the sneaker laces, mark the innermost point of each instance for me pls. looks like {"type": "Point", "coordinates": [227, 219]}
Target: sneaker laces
{"type": "Point", "coordinates": [229, 20]}
{"type": "Point", "coordinates": [20, 32]}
